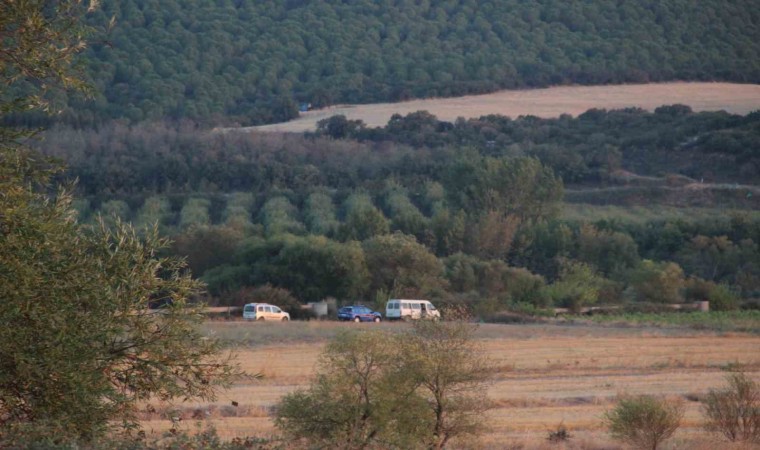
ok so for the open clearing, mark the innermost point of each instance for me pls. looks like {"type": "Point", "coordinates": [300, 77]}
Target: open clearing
{"type": "Point", "coordinates": [549, 102]}
{"type": "Point", "coordinates": [546, 375]}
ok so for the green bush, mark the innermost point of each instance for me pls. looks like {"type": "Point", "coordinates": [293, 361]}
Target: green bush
{"type": "Point", "coordinates": [644, 421]}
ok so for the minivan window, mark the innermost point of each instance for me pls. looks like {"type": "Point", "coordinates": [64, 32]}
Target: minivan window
{"type": "Point", "coordinates": [260, 308]}
{"type": "Point", "coordinates": [268, 309]}
{"type": "Point", "coordinates": [404, 305]}
{"type": "Point", "coordinates": [415, 305]}
{"type": "Point", "coordinates": [276, 309]}
{"type": "Point", "coordinates": [431, 307]}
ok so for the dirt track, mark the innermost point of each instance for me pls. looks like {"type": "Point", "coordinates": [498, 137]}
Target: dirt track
{"type": "Point", "coordinates": [550, 102]}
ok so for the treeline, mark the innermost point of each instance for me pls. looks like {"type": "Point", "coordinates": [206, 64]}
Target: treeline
{"type": "Point", "coordinates": [256, 62]}
{"type": "Point", "coordinates": [369, 247]}
{"type": "Point", "coordinates": [593, 148]}
{"type": "Point", "coordinates": [670, 147]}
{"type": "Point", "coordinates": [465, 212]}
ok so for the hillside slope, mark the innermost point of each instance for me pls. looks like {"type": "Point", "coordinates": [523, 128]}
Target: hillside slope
{"type": "Point", "coordinates": [254, 62]}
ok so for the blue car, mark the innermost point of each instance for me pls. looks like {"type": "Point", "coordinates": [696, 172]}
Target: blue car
{"type": "Point", "coordinates": [359, 313]}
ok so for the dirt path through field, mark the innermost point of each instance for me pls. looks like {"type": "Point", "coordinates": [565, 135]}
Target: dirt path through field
{"type": "Point", "coordinates": [550, 102]}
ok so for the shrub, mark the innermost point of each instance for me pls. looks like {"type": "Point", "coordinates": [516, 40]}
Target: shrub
{"type": "Point", "coordinates": [735, 410]}
{"type": "Point", "coordinates": [644, 421]}
{"type": "Point", "coordinates": [383, 390]}
{"type": "Point", "coordinates": [560, 434]}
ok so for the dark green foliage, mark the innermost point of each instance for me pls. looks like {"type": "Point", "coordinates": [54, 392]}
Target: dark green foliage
{"type": "Point", "coordinates": [311, 267]}
{"type": "Point", "coordinates": [464, 188]}
{"type": "Point", "coordinates": [578, 286]}
{"type": "Point", "coordinates": [269, 294]}
{"type": "Point", "coordinates": [254, 62]}
{"type": "Point", "coordinates": [653, 282]}
{"type": "Point", "coordinates": [401, 266]}
{"type": "Point", "coordinates": [362, 219]}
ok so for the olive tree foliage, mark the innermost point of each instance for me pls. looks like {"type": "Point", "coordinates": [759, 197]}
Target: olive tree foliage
{"type": "Point", "coordinates": [79, 346]}
{"type": "Point", "coordinates": [373, 389]}
{"type": "Point", "coordinates": [85, 347]}
{"type": "Point", "coordinates": [40, 40]}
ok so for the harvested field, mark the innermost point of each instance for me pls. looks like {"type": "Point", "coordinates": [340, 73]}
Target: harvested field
{"type": "Point", "coordinates": [547, 375]}
{"type": "Point", "coordinates": [549, 102]}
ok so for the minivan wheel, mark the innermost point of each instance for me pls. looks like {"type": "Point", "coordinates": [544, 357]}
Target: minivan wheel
{"type": "Point", "coordinates": [357, 320]}
{"type": "Point", "coordinates": [377, 319]}
{"type": "Point", "coordinates": [260, 319]}
{"type": "Point", "coordinates": [284, 319]}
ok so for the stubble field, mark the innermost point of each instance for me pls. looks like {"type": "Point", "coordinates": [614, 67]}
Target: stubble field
{"type": "Point", "coordinates": [546, 375]}
{"type": "Point", "coordinates": [548, 102]}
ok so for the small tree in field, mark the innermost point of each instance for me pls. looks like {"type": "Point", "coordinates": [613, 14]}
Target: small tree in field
{"type": "Point", "coordinates": [381, 390]}
{"type": "Point", "coordinates": [361, 398]}
{"type": "Point", "coordinates": [644, 421]}
{"type": "Point", "coordinates": [735, 410]}
{"type": "Point", "coordinates": [452, 375]}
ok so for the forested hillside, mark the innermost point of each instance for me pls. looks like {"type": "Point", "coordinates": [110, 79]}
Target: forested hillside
{"type": "Point", "coordinates": [252, 62]}
{"type": "Point", "coordinates": [467, 212]}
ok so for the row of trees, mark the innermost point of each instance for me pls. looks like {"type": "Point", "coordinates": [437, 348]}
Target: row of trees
{"type": "Point", "coordinates": [465, 188]}
{"type": "Point", "coordinates": [254, 62]}
{"type": "Point", "coordinates": [312, 268]}
{"type": "Point", "coordinates": [596, 148]}
{"type": "Point", "coordinates": [246, 242]}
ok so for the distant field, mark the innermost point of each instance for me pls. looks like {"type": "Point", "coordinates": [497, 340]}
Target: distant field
{"type": "Point", "coordinates": [546, 375]}
{"type": "Point", "coordinates": [550, 102]}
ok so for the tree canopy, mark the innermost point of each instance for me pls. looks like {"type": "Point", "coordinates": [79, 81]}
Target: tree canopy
{"type": "Point", "coordinates": [257, 62]}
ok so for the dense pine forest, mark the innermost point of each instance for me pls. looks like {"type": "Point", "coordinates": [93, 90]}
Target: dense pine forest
{"type": "Point", "coordinates": [252, 62]}
{"type": "Point", "coordinates": [633, 207]}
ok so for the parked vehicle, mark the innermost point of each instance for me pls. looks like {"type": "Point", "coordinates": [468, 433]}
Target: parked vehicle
{"type": "Point", "coordinates": [359, 313]}
{"type": "Point", "coordinates": [403, 309]}
{"type": "Point", "coordinates": [264, 311]}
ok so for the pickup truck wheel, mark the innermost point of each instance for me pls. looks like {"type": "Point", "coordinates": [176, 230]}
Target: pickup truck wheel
{"type": "Point", "coordinates": [357, 319]}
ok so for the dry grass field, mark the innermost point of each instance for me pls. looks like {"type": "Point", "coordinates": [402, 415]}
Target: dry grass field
{"type": "Point", "coordinates": [547, 375]}
{"type": "Point", "coordinates": [549, 102]}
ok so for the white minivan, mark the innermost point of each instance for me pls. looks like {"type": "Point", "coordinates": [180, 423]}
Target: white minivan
{"type": "Point", "coordinates": [264, 311]}
{"type": "Point", "coordinates": [403, 309]}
